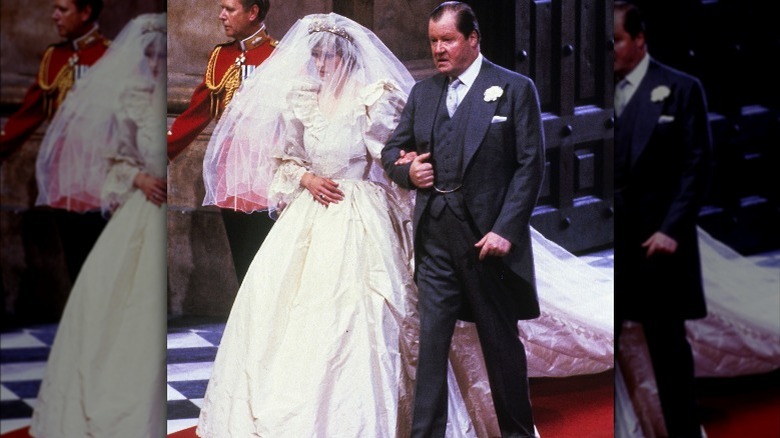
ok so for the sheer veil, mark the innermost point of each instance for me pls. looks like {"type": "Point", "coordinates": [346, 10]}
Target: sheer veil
{"type": "Point", "coordinates": [325, 55]}
{"type": "Point", "coordinates": [72, 162]}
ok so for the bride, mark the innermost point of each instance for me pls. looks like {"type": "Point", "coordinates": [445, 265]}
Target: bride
{"type": "Point", "coordinates": [105, 373]}
{"type": "Point", "coordinates": [321, 331]}
{"type": "Point", "coordinates": [322, 336]}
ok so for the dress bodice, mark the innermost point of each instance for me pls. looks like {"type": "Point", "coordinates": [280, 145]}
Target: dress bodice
{"type": "Point", "coordinates": [341, 143]}
{"type": "Point", "coordinates": [333, 144]}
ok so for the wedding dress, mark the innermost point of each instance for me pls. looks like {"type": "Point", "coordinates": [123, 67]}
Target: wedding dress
{"type": "Point", "coordinates": [105, 376]}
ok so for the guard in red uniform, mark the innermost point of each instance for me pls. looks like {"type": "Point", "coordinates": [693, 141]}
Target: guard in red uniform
{"type": "Point", "coordinates": [229, 64]}
{"type": "Point", "coordinates": [61, 67]}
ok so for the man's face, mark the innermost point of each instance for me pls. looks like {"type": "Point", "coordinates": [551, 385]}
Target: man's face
{"type": "Point", "coordinates": [628, 51]}
{"type": "Point", "coordinates": [238, 22]}
{"type": "Point", "coordinates": [69, 20]}
{"type": "Point", "coordinates": [452, 52]}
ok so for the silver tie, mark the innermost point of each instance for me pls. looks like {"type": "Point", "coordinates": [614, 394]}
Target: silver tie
{"type": "Point", "coordinates": [452, 96]}
{"type": "Point", "coordinates": [621, 93]}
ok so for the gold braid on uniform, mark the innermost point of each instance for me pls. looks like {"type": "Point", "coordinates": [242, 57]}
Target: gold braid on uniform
{"type": "Point", "coordinates": [54, 92]}
{"type": "Point", "coordinates": [221, 93]}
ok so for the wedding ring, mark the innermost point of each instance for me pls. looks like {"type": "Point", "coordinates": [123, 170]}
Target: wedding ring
{"type": "Point", "coordinates": [322, 196]}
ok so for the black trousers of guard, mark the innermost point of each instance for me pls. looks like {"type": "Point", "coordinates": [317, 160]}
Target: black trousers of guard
{"type": "Point", "coordinates": [245, 233]}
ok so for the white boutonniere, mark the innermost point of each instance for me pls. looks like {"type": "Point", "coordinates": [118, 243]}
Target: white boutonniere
{"type": "Point", "coordinates": [659, 93]}
{"type": "Point", "coordinates": [493, 93]}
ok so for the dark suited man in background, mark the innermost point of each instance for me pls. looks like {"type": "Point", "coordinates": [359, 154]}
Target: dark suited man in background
{"type": "Point", "coordinates": [474, 132]}
{"type": "Point", "coordinates": [662, 163]}
{"type": "Point", "coordinates": [229, 64]}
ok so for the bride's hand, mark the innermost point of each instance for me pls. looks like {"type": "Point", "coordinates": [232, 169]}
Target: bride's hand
{"type": "Point", "coordinates": [324, 190]}
{"type": "Point", "coordinates": [155, 189]}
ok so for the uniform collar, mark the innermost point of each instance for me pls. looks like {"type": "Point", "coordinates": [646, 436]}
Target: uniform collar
{"type": "Point", "coordinates": [88, 39]}
{"type": "Point", "coordinates": [256, 40]}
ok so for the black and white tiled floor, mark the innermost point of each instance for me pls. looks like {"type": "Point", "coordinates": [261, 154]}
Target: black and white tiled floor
{"type": "Point", "coordinates": [192, 347]}
{"type": "Point", "coordinates": [22, 364]}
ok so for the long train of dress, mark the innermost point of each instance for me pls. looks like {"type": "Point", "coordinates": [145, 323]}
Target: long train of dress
{"type": "Point", "coordinates": [105, 372]}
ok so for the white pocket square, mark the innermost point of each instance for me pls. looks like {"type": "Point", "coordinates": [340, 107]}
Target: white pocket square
{"type": "Point", "coordinates": [665, 119]}
{"type": "Point", "coordinates": [498, 119]}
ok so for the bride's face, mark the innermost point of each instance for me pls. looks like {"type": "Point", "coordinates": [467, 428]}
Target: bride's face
{"type": "Point", "coordinates": [326, 61]}
{"type": "Point", "coordinates": [155, 58]}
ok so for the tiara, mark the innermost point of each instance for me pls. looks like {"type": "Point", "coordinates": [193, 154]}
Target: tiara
{"type": "Point", "coordinates": [323, 26]}
{"type": "Point", "coordinates": [153, 26]}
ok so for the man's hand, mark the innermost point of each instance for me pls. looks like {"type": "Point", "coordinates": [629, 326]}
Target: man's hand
{"type": "Point", "coordinates": [421, 173]}
{"type": "Point", "coordinates": [659, 243]}
{"type": "Point", "coordinates": [405, 157]}
{"type": "Point", "coordinates": [155, 189]}
{"type": "Point", "coordinates": [324, 190]}
{"type": "Point", "coordinates": [493, 245]}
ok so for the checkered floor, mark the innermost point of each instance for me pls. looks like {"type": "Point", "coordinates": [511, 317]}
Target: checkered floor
{"type": "Point", "coordinates": [22, 364]}
{"type": "Point", "coordinates": [192, 347]}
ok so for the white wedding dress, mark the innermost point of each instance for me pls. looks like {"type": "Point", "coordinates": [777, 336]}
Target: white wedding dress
{"type": "Point", "coordinates": [106, 371]}
{"type": "Point", "coordinates": [321, 337]}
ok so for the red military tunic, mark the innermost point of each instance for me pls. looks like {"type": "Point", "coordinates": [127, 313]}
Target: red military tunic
{"type": "Point", "coordinates": [61, 66]}
{"type": "Point", "coordinates": [229, 64]}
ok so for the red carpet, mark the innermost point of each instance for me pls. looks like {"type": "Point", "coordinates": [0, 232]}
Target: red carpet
{"type": "Point", "coordinates": [186, 433]}
{"type": "Point", "coordinates": [741, 406]}
{"type": "Point", "coordinates": [18, 433]}
{"type": "Point", "coordinates": [580, 406]}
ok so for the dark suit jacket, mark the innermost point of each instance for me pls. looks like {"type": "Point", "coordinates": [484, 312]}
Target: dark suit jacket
{"type": "Point", "coordinates": [503, 164]}
{"type": "Point", "coordinates": [660, 182]}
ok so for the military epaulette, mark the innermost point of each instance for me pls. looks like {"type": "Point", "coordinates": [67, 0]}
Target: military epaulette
{"type": "Point", "coordinates": [222, 92]}
{"type": "Point", "coordinates": [56, 89]}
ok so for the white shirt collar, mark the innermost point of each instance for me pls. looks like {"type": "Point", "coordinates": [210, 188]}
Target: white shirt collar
{"type": "Point", "coordinates": [242, 43]}
{"type": "Point", "coordinates": [638, 73]}
{"type": "Point", "coordinates": [470, 75]}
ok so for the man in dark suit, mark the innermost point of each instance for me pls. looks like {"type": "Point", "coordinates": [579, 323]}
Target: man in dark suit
{"type": "Point", "coordinates": [662, 161]}
{"type": "Point", "coordinates": [474, 132]}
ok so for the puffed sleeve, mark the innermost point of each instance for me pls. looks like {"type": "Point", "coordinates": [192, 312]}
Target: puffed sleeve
{"type": "Point", "coordinates": [384, 101]}
{"type": "Point", "coordinates": [126, 160]}
{"type": "Point", "coordinates": [292, 160]}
